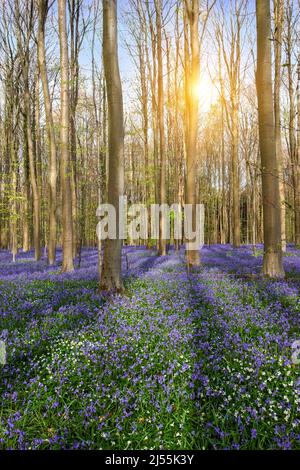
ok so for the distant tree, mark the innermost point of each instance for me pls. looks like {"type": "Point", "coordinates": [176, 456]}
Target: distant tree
{"type": "Point", "coordinates": [162, 248]}
{"type": "Point", "coordinates": [25, 22]}
{"type": "Point", "coordinates": [232, 61]}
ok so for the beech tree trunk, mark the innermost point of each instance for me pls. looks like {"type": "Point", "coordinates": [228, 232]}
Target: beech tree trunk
{"type": "Point", "coordinates": [162, 250]}
{"type": "Point", "coordinates": [292, 118]}
{"type": "Point", "coordinates": [43, 10]}
{"type": "Point", "coordinates": [26, 190]}
{"type": "Point", "coordinates": [192, 10]}
{"type": "Point", "coordinates": [297, 162]}
{"type": "Point", "coordinates": [278, 25]}
{"type": "Point", "coordinates": [32, 167]}
{"type": "Point", "coordinates": [272, 262]}
{"type": "Point", "coordinates": [65, 166]}
{"type": "Point", "coordinates": [111, 277]}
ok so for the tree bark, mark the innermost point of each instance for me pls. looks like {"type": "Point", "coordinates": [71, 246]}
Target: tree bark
{"type": "Point", "coordinates": [111, 277]}
{"type": "Point", "coordinates": [43, 10]}
{"type": "Point", "coordinates": [192, 10]}
{"type": "Point", "coordinates": [65, 166]}
{"type": "Point", "coordinates": [162, 250]}
{"type": "Point", "coordinates": [272, 263]}
{"type": "Point", "coordinates": [278, 25]}
{"type": "Point", "coordinates": [26, 191]}
{"type": "Point", "coordinates": [297, 162]}
{"type": "Point", "coordinates": [32, 167]}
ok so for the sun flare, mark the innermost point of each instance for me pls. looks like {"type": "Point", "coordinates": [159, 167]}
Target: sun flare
{"type": "Point", "coordinates": [206, 92]}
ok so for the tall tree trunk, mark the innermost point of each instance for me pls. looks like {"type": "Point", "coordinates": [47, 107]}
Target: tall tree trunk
{"type": "Point", "coordinates": [65, 166]}
{"type": "Point", "coordinates": [292, 116]}
{"type": "Point", "coordinates": [23, 44]}
{"type": "Point", "coordinates": [32, 166]}
{"type": "Point", "coordinates": [236, 230]}
{"type": "Point", "coordinates": [192, 10]}
{"type": "Point", "coordinates": [272, 263]}
{"type": "Point", "coordinates": [223, 217]}
{"type": "Point", "coordinates": [74, 12]}
{"type": "Point", "coordinates": [11, 152]}
{"type": "Point", "coordinates": [111, 277]}
{"type": "Point", "coordinates": [142, 46]}
{"type": "Point", "coordinates": [278, 25]}
{"type": "Point", "coordinates": [36, 131]}
{"type": "Point", "coordinates": [160, 113]}
{"type": "Point", "coordinates": [26, 190]}
{"type": "Point", "coordinates": [297, 162]}
{"type": "Point", "coordinates": [14, 214]}
{"type": "Point", "coordinates": [43, 10]}
{"type": "Point", "coordinates": [152, 71]}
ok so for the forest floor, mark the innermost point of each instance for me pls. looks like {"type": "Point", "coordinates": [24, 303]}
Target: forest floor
{"type": "Point", "coordinates": [199, 361]}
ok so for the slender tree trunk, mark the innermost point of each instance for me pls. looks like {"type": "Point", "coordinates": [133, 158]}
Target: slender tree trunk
{"type": "Point", "coordinates": [292, 117]}
{"type": "Point", "coordinates": [278, 24]}
{"type": "Point", "coordinates": [152, 71]}
{"type": "Point", "coordinates": [232, 66]}
{"type": "Point", "coordinates": [192, 9]}
{"type": "Point", "coordinates": [32, 166]}
{"type": "Point", "coordinates": [12, 153]}
{"type": "Point", "coordinates": [160, 113]}
{"type": "Point", "coordinates": [144, 102]}
{"type": "Point", "coordinates": [272, 263]}
{"type": "Point", "coordinates": [236, 230]}
{"type": "Point", "coordinates": [74, 12]}
{"type": "Point", "coordinates": [223, 224]}
{"type": "Point", "coordinates": [297, 163]}
{"type": "Point", "coordinates": [26, 190]}
{"type": "Point", "coordinates": [43, 10]}
{"type": "Point", "coordinates": [14, 215]}
{"type": "Point", "coordinates": [104, 140]}
{"type": "Point", "coordinates": [65, 165]}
